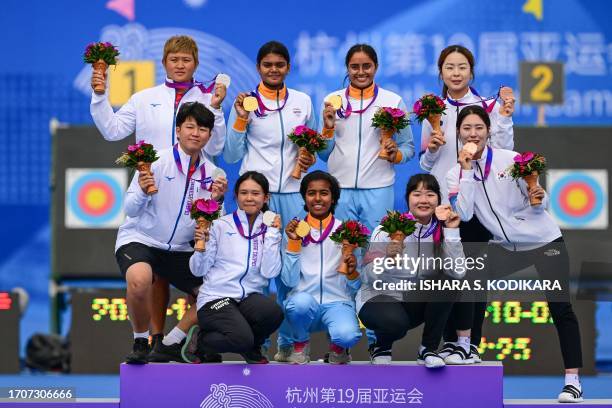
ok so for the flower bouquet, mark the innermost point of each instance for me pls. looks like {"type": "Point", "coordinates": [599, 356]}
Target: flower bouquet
{"type": "Point", "coordinates": [204, 211]}
{"type": "Point", "coordinates": [429, 107]}
{"type": "Point", "coordinates": [389, 121]}
{"type": "Point", "coordinates": [101, 55]}
{"type": "Point", "coordinates": [351, 234]}
{"type": "Point", "coordinates": [529, 166]}
{"type": "Point", "coordinates": [140, 156]}
{"type": "Point", "coordinates": [309, 142]}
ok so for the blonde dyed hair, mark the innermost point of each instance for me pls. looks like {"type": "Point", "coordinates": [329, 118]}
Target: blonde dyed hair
{"type": "Point", "coordinates": [181, 43]}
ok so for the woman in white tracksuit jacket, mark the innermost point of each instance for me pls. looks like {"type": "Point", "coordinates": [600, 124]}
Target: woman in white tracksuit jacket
{"type": "Point", "coordinates": [242, 255]}
{"type": "Point", "coordinates": [352, 154]}
{"type": "Point", "coordinates": [523, 235]}
{"type": "Point", "coordinates": [260, 139]}
{"type": "Point", "coordinates": [320, 298]}
{"type": "Point", "coordinates": [391, 313]}
{"type": "Point", "coordinates": [456, 69]}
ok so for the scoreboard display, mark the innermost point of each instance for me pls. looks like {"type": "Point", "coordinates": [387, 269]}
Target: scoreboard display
{"type": "Point", "coordinates": [9, 321]}
{"type": "Point", "coordinates": [519, 334]}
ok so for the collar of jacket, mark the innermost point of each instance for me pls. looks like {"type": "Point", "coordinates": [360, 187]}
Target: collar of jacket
{"type": "Point", "coordinates": [245, 221]}
{"type": "Point", "coordinates": [355, 93]}
{"type": "Point", "coordinates": [186, 159]}
{"type": "Point", "coordinates": [316, 223]}
{"type": "Point", "coordinates": [271, 93]}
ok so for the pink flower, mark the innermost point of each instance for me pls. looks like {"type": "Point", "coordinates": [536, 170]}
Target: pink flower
{"type": "Point", "coordinates": [394, 112]}
{"type": "Point", "coordinates": [418, 105]}
{"type": "Point", "coordinates": [299, 130]}
{"type": "Point", "coordinates": [524, 158]}
{"type": "Point", "coordinates": [409, 216]}
{"type": "Point", "coordinates": [133, 148]}
{"type": "Point", "coordinates": [364, 230]}
{"type": "Point", "coordinates": [207, 206]}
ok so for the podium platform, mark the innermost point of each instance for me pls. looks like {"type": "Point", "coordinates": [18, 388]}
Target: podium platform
{"type": "Point", "coordinates": [358, 384]}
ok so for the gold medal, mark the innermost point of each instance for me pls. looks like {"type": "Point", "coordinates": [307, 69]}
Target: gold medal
{"type": "Point", "coordinates": [336, 101]}
{"type": "Point", "coordinates": [250, 104]}
{"type": "Point", "coordinates": [302, 229]}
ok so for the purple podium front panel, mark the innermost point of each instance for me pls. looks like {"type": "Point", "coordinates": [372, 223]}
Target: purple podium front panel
{"type": "Point", "coordinates": [235, 385]}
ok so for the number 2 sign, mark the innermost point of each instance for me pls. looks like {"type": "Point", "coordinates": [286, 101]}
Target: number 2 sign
{"type": "Point", "coordinates": [542, 83]}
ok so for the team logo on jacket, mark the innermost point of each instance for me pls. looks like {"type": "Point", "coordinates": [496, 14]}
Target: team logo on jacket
{"type": "Point", "coordinates": [503, 175]}
{"type": "Point", "coordinates": [297, 111]}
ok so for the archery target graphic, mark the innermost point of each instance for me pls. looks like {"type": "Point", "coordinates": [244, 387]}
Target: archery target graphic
{"type": "Point", "coordinates": [94, 198]}
{"type": "Point", "coordinates": [579, 198]}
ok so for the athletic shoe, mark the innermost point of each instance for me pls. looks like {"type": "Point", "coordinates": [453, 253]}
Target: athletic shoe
{"type": "Point", "coordinates": [166, 354]}
{"type": "Point", "coordinates": [571, 393]}
{"type": "Point", "coordinates": [300, 353]}
{"type": "Point", "coordinates": [430, 359]}
{"type": "Point", "coordinates": [459, 357]}
{"type": "Point", "coordinates": [380, 355]}
{"type": "Point", "coordinates": [255, 356]}
{"type": "Point", "coordinates": [190, 347]}
{"type": "Point", "coordinates": [156, 338]}
{"type": "Point", "coordinates": [338, 355]}
{"type": "Point", "coordinates": [140, 351]}
{"type": "Point", "coordinates": [283, 353]}
{"type": "Point", "coordinates": [447, 348]}
{"type": "Point", "coordinates": [475, 354]}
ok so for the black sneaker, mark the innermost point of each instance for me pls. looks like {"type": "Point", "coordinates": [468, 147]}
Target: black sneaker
{"type": "Point", "coordinates": [571, 393]}
{"type": "Point", "coordinates": [190, 347]}
{"type": "Point", "coordinates": [255, 356]}
{"type": "Point", "coordinates": [166, 354]}
{"type": "Point", "coordinates": [156, 338]}
{"type": "Point", "coordinates": [140, 351]}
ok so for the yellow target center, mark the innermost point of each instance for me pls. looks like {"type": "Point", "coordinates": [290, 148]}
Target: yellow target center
{"type": "Point", "coordinates": [577, 199]}
{"type": "Point", "coordinates": [95, 198]}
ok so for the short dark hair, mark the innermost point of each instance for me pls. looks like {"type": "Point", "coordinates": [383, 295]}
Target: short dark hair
{"type": "Point", "coordinates": [259, 179]}
{"type": "Point", "coordinates": [473, 110]}
{"type": "Point", "coordinates": [273, 47]}
{"type": "Point", "coordinates": [428, 181]}
{"type": "Point", "coordinates": [316, 175]}
{"type": "Point", "coordinates": [198, 112]}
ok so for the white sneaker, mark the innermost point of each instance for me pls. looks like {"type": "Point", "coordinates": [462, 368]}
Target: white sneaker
{"type": "Point", "coordinates": [282, 354]}
{"type": "Point", "coordinates": [380, 356]}
{"type": "Point", "coordinates": [447, 349]}
{"type": "Point", "coordinates": [430, 359]}
{"type": "Point", "coordinates": [475, 354]}
{"type": "Point", "coordinates": [300, 353]}
{"type": "Point", "coordinates": [459, 357]}
{"type": "Point", "coordinates": [571, 393]}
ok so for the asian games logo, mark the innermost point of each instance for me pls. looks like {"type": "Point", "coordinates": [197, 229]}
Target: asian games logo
{"type": "Point", "coordinates": [234, 396]}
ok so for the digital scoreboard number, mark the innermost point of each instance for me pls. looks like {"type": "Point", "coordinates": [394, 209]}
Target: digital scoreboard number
{"type": "Point", "coordinates": [523, 337]}
{"type": "Point", "coordinates": [519, 334]}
